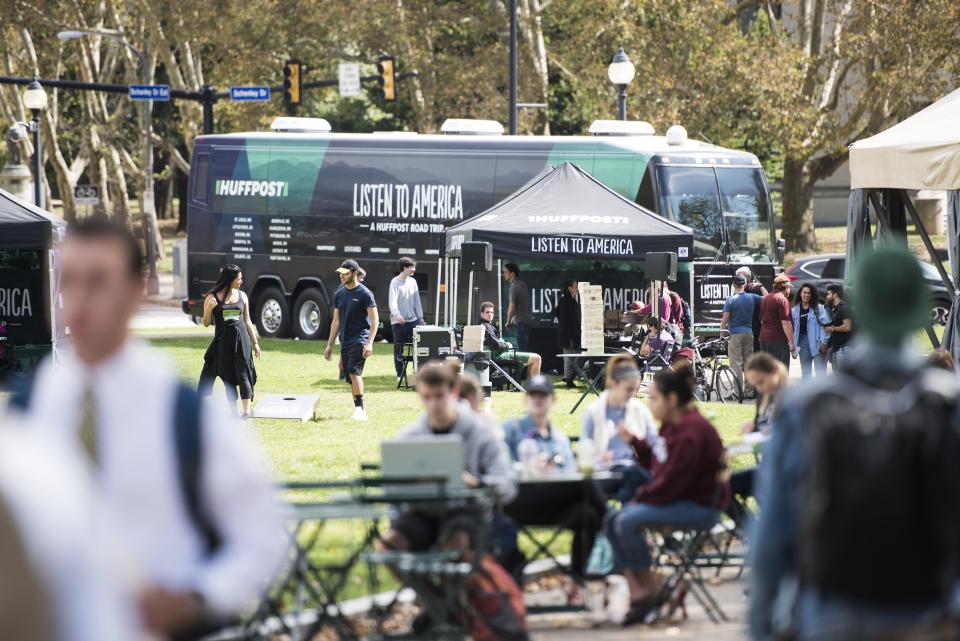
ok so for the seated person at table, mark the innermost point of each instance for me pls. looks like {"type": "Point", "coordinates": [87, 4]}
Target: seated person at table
{"type": "Point", "coordinates": [542, 504]}
{"type": "Point", "coordinates": [657, 341]}
{"type": "Point", "coordinates": [685, 460]}
{"type": "Point", "coordinates": [616, 407]}
{"type": "Point", "coordinates": [500, 348]}
{"type": "Point", "coordinates": [486, 459]}
{"type": "Point", "coordinates": [769, 378]}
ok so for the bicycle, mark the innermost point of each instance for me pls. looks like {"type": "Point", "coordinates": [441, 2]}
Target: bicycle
{"type": "Point", "coordinates": [714, 375]}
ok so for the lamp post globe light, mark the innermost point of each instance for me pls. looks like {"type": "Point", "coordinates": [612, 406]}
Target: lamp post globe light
{"type": "Point", "coordinates": [621, 72]}
{"type": "Point", "coordinates": [35, 99]}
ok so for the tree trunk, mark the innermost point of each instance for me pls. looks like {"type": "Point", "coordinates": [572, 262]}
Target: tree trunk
{"type": "Point", "coordinates": [797, 225]}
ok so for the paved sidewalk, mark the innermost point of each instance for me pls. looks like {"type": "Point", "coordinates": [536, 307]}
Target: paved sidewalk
{"type": "Point", "coordinates": [576, 626]}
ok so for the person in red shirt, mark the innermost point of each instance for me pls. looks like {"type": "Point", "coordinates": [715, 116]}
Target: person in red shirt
{"type": "Point", "coordinates": [685, 460]}
{"type": "Point", "coordinates": [776, 324]}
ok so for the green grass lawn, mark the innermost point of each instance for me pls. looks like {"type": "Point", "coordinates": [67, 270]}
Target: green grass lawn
{"type": "Point", "coordinates": [333, 447]}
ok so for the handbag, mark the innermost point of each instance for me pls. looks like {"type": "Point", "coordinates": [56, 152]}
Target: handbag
{"type": "Point", "coordinates": [601, 559]}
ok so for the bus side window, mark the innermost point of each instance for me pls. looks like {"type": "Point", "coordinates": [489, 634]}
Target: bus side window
{"type": "Point", "coordinates": [200, 177]}
{"type": "Point", "coordinates": [645, 193]}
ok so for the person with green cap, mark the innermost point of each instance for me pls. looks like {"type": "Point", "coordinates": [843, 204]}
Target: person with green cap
{"type": "Point", "coordinates": [859, 535]}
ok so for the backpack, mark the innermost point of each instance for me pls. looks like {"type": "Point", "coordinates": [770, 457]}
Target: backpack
{"type": "Point", "coordinates": [188, 435]}
{"type": "Point", "coordinates": [880, 522]}
{"type": "Point", "coordinates": [497, 611]}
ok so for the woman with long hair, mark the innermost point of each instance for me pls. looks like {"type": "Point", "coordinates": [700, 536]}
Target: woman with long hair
{"type": "Point", "coordinates": [769, 377]}
{"type": "Point", "coordinates": [230, 355]}
{"type": "Point", "coordinates": [606, 418]}
{"type": "Point", "coordinates": [809, 319]}
{"type": "Point", "coordinates": [685, 460]}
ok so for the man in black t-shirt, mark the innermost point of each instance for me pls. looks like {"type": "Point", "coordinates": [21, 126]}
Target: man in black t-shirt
{"type": "Point", "coordinates": [355, 322]}
{"type": "Point", "coordinates": [841, 327]}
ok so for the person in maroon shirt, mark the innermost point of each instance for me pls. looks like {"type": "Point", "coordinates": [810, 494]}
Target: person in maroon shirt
{"type": "Point", "coordinates": [776, 324]}
{"type": "Point", "coordinates": [685, 460]}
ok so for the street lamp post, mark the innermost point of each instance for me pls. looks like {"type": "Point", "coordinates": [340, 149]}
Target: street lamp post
{"type": "Point", "coordinates": [35, 99]}
{"type": "Point", "coordinates": [148, 207]}
{"type": "Point", "coordinates": [621, 72]}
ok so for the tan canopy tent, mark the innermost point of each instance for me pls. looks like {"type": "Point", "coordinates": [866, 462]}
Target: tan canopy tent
{"type": "Point", "coordinates": [921, 152]}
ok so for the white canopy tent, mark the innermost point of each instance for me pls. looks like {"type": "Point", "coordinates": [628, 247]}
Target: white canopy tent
{"type": "Point", "coordinates": [921, 152]}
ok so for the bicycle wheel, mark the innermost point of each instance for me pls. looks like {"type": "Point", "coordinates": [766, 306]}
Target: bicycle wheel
{"type": "Point", "coordinates": [725, 385]}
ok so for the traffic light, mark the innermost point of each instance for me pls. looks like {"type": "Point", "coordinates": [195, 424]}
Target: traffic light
{"type": "Point", "coordinates": [292, 82]}
{"type": "Point", "coordinates": [387, 80]}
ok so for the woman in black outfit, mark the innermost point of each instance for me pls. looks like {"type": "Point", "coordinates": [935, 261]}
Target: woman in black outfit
{"type": "Point", "coordinates": [230, 356]}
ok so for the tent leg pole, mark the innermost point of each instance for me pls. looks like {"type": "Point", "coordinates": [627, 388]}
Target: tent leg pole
{"type": "Point", "coordinates": [927, 242]}
{"type": "Point", "coordinates": [499, 295]}
{"type": "Point", "coordinates": [470, 301]}
{"type": "Point", "coordinates": [456, 291]}
{"type": "Point", "coordinates": [446, 292]}
{"type": "Point", "coordinates": [436, 305]}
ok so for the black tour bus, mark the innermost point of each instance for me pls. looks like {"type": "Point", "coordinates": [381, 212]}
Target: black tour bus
{"type": "Point", "coordinates": [290, 204]}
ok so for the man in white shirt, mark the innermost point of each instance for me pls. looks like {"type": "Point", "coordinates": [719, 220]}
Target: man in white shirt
{"type": "Point", "coordinates": [114, 400]}
{"type": "Point", "coordinates": [406, 311]}
{"type": "Point", "coordinates": [68, 577]}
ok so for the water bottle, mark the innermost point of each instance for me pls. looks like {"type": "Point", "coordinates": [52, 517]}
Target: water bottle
{"type": "Point", "coordinates": [527, 450]}
{"type": "Point", "coordinates": [618, 599]}
{"type": "Point", "coordinates": [585, 456]}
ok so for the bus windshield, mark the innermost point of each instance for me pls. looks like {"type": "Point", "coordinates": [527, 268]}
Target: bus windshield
{"type": "Point", "coordinates": [718, 203]}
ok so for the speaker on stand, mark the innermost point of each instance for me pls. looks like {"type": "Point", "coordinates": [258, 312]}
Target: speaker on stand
{"type": "Point", "coordinates": [475, 257]}
{"type": "Point", "coordinates": [659, 267]}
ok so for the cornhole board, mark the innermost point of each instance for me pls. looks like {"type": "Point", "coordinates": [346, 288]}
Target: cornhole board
{"type": "Point", "coordinates": [296, 407]}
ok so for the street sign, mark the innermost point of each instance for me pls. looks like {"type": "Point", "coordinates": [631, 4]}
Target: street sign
{"type": "Point", "coordinates": [149, 92]}
{"type": "Point", "coordinates": [349, 77]}
{"type": "Point", "coordinates": [86, 194]}
{"type": "Point", "coordinates": [250, 94]}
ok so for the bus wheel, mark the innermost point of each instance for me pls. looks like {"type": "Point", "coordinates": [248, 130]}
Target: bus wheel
{"type": "Point", "coordinates": [272, 313]}
{"type": "Point", "coordinates": [311, 316]}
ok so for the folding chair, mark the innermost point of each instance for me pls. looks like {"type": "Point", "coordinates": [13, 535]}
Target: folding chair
{"type": "Point", "coordinates": [682, 551]}
{"type": "Point", "coordinates": [406, 357]}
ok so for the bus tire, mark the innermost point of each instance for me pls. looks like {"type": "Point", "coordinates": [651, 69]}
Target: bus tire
{"type": "Point", "coordinates": [311, 316]}
{"type": "Point", "coordinates": [272, 314]}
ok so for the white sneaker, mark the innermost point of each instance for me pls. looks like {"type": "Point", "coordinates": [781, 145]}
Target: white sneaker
{"type": "Point", "coordinates": [359, 414]}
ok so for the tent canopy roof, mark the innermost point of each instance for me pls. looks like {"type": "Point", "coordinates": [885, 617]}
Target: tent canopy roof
{"type": "Point", "coordinates": [922, 152]}
{"type": "Point", "coordinates": [23, 224]}
{"type": "Point", "coordinates": [567, 212]}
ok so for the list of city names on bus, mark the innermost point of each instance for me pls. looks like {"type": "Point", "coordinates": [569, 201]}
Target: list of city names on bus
{"type": "Point", "coordinates": [278, 236]}
{"type": "Point", "coordinates": [241, 241]}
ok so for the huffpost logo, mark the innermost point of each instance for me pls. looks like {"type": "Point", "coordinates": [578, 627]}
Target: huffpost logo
{"type": "Point", "coordinates": [268, 188]}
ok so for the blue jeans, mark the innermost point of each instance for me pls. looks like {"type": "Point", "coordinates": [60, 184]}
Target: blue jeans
{"type": "Point", "coordinates": [810, 361]}
{"type": "Point", "coordinates": [837, 356]}
{"type": "Point", "coordinates": [625, 528]}
{"type": "Point", "coordinates": [625, 487]}
{"type": "Point", "coordinates": [523, 334]}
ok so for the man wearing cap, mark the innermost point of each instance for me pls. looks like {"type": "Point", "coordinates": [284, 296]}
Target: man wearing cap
{"type": "Point", "coordinates": [543, 450]}
{"type": "Point", "coordinates": [355, 322]}
{"type": "Point", "coordinates": [737, 322]}
{"type": "Point", "coordinates": [776, 322]}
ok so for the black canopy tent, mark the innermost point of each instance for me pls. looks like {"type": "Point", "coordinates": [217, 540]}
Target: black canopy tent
{"type": "Point", "coordinates": [28, 324]}
{"type": "Point", "coordinates": [565, 213]}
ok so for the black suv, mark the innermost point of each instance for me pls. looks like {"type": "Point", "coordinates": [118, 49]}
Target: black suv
{"type": "Point", "coordinates": [822, 269]}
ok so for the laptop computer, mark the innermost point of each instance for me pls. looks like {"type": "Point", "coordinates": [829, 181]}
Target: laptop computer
{"type": "Point", "coordinates": [421, 456]}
